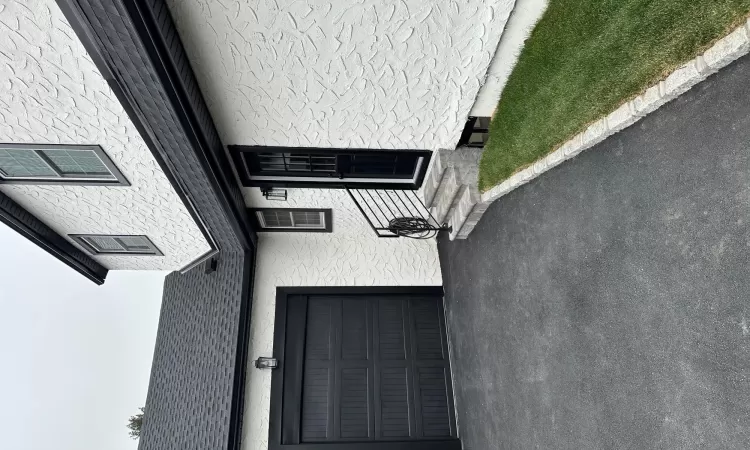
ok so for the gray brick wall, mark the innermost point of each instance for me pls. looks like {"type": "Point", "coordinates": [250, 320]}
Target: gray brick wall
{"type": "Point", "coordinates": [190, 391]}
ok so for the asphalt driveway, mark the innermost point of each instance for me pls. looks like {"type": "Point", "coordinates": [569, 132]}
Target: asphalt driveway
{"type": "Point", "coordinates": [607, 303]}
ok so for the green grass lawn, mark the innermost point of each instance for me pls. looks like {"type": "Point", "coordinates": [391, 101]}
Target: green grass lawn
{"type": "Point", "coordinates": [584, 59]}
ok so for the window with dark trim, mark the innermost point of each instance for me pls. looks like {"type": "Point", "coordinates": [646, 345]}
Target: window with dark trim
{"type": "Point", "coordinates": [292, 219]}
{"type": "Point", "coordinates": [103, 244]}
{"type": "Point", "coordinates": [57, 164]}
{"type": "Point", "coordinates": [330, 167]}
{"type": "Point", "coordinates": [476, 132]}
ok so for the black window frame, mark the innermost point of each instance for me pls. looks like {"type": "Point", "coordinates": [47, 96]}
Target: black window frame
{"type": "Point", "coordinates": [239, 154]}
{"type": "Point", "coordinates": [327, 217]}
{"type": "Point", "coordinates": [470, 128]}
{"type": "Point", "coordinates": [81, 240]}
{"type": "Point", "coordinates": [118, 180]}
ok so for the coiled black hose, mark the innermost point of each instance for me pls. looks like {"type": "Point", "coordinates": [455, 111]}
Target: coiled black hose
{"type": "Point", "coordinates": [412, 227]}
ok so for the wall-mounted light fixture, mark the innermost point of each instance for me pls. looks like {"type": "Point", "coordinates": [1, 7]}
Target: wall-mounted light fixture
{"type": "Point", "coordinates": [274, 194]}
{"type": "Point", "coordinates": [266, 363]}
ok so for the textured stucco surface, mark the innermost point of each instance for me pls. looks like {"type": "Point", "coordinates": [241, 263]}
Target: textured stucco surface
{"type": "Point", "coordinates": [54, 94]}
{"type": "Point", "coordinates": [350, 256]}
{"type": "Point", "coordinates": [372, 73]}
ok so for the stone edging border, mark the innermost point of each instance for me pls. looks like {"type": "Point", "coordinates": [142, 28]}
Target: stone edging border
{"type": "Point", "coordinates": [722, 53]}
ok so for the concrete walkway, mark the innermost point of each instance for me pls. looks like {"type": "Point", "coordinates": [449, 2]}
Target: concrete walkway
{"type": "Point", "coordinates": [607, 303]}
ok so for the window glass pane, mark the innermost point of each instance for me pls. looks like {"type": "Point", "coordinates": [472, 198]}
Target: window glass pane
{"type": "Point", "coordinates": [307, 219]}
{"type": "Point", "coordinates": [120, 245]}
{"type": "Point", "coordinates": [296, 162]}
{"type": "Point", "coordinates": [104, 243]}
{"type": "Point", "coordinates": [277, 219]}
{"type": "Point", "coordinates": [268, 219]}
{"type": "Point", "coordinates": [22, 163]}
{"type": "Point", "coordinates": [382, 164]}
{"type": "Point", "coordinates": [284, 218]}
{"type": "Point", "coordinates": [135, 243]}
{"type": "Point", "coordinates": [271, 162]}
{"type": "Point", "coordinates": [323, 163]}
{"type": "Point", "coordinates": [478, 138]}
{"type": "Point", "coordinates": [78, 163]}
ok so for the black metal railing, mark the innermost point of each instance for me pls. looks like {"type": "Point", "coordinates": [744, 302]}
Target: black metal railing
{"type": "Point", "coordinates": [396, 213]}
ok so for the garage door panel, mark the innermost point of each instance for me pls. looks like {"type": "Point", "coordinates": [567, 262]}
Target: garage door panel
{"type": "Point", "coordinates": [317, 412]}
{"type": "Point", "coordinates": [391, 335]}
{"type": "Point", "coordinates": [396, 410]}
{"type": "Point", "coordinates": [355, 408]}
{"type": "Point", "coordinates": [355, 329]}
{"type": "Point", "coordinates": [428, 330]}
{"type": "Point", "coordinates": [434, 401]}
{"type": "Point", "coordinates": [319, 338]}
{"type": "Point", "coordinates": [374, 369]}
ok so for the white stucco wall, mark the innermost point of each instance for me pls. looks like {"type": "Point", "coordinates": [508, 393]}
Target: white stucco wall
{"type": "Point", "coordinates": [52, 93]}
{"type": "Point", "coordinates": [349, 256]}
{"type": "Point", "coordinates": [522, 21]}
{"type": "Point", "coordinates": [370, 73]}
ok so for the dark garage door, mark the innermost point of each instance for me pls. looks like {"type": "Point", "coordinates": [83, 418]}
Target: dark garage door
{"type": "Point", "coordinates": [362, 368]}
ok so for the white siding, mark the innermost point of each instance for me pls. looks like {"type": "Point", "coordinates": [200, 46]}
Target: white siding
{"type": "Point", "coordinates": [53, 94]}
{"type": "Point", "coordinates": [371, 73]}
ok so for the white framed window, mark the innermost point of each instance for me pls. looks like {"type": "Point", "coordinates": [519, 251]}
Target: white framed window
{"type": "Point", "coordinates": [292, 219]}
{"type": "Point", "coordinates": [102, 244]}
{"type": "Point", "coordinates": [57, 164]}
